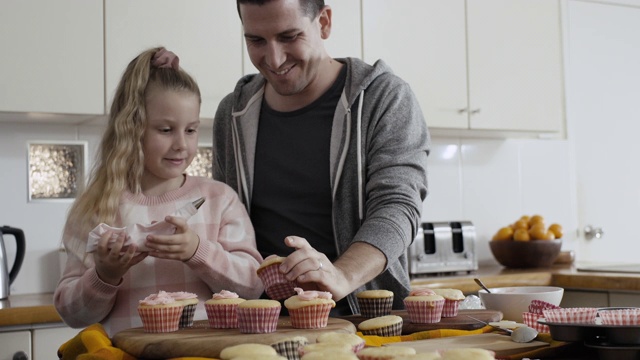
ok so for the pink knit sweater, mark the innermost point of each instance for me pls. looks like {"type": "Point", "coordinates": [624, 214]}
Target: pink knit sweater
{"type": "Point", "coordinates": [226, 258]}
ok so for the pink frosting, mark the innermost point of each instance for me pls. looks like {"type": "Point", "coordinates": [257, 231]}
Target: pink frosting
{"type": "Point", "coordinates": [421, 292]}
{"type": "Point", "coordinates": [160, 298]}
{"type": "Point", "coordinates": [182, 295]}
{"type": "Point", "coordinates": [312, 294]}
{"type": "Point", "coordinates": [224, 294]}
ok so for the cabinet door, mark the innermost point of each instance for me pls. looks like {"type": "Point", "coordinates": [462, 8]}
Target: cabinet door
{"type": "Point", "coordinates": [14, 342]}
{"type": "Point", "coordinates": [515, 65]}
{"type": "Point", "coordinates": [205, 34]}
{"type": "Point", "coordinates": [47, 341]}
{"type": "Point", "coordinates": [424, 43]}
{"type": "Point", "coordinates": [52, 56]}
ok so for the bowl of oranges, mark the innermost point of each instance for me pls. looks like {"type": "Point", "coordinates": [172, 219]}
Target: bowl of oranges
{"type": "Point", "coordinates": [527, 243]}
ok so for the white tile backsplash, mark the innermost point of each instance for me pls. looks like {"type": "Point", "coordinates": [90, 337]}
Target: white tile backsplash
{"type": "Point", "coordinates": [490, 182]}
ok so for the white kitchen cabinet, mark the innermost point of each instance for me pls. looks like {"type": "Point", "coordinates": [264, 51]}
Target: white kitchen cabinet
{"type": "Point", "coordinates": [14, 342]}
{"type": "Point", "coordinates": [52, 56]}
{"type": "Point", "coordinates": [47, 341]}
{"type": "Point", "coordinates": [481, 65]}
{"type": "Point", "coordinates": [205, 34]}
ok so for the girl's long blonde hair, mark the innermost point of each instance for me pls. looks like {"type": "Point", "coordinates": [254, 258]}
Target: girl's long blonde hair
{"type": "Point", "coordinates": [119, 162]}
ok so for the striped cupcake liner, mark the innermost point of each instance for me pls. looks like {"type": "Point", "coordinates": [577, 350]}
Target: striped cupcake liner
{"type": "Point", "coordinates": [276, 285]}
{"type": "Point", "coordinates": [310, 317]}
{"type": "Point", "coordinates": [160, 319]}
{"type": "Point", "coordinates": [620, 317]}
{"type": "Point", "coordinates": [537, 306]}
{"type": "Point", "coordinates": [450, 308]}
{"type": "Point", "coordinates": [375, 307]}
{"type": "Point", "coordinates": [290, 349]}
{"type": "Point", "coordinates": [571, 315]}
{"type": "Point", "coordinates": [258, 320]}
{"type": "Point", "coordinates": [531, 320]}
{"type": "Point", "coordinates": [222, 316]}
{"type": "Point", "coordinates": [390, 330]}
{"type": "Point", "coordinates": [424, 312]}
{"type": "Point", "coordinates": [186, 320]}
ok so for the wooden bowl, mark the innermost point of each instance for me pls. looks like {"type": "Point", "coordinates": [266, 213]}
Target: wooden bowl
{"type": "Point", "coordinates": [525, 254]}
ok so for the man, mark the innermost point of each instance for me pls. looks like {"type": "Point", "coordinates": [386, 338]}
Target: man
{"type": "Point", "coordinates": [329, 155]}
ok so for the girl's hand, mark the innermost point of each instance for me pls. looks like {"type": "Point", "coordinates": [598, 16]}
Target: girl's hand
{"type": "Point", "coordinates": [113, 260]}
{"type": "Point", "coordinates": [179, 246]}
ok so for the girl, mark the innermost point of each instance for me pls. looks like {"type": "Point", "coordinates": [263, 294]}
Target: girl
{"type": "Point", "coordinates": [139, 178]}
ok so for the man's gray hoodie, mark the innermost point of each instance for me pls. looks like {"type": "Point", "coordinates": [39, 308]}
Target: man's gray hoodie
{"type": "Point", "coordinates": [378, 163]}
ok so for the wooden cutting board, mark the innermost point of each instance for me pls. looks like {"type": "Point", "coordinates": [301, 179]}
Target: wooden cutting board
{"type": "Point", "coordinates": [501, 344]}
{"type": "Point", "coordinates": [460, 322]}
{"type": "Point", "coordinates": [201, 341]}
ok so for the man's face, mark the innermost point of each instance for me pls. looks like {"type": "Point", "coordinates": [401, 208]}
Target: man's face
{"type": "Point", "coordinates": [284, 44]}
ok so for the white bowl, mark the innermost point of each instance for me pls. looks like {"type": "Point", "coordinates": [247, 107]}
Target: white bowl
{"type": "Point", "coordinates": [513, 301]}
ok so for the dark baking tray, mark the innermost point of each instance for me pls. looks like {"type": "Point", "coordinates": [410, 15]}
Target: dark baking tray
{"type": "Point", "coordinates": [593, 333]}
{"type": "Point", "coordinates": [607, 351]}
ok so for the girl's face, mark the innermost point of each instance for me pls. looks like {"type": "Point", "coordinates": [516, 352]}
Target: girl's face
{"type": "Point", "coordinates": [170, 138]}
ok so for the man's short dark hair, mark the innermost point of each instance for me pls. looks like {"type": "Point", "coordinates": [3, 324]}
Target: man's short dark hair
{"type": "Point", "coordinates": [310, 8]}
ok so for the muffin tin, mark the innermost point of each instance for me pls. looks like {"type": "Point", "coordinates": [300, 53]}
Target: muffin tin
{"type": "Point", "coordinates": [615, 342]}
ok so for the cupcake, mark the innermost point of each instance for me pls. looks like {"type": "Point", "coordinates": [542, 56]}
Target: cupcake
{"type": "Point", "coordinates": [222, 310]}
{"type": "Point", "coordinates": [325, 348]}
{"type": "Point", "coordinates": [388, 325]}
{"type": "Point", "coordinates": [309, 309]}
{"type": "Point", "coordinates": [384, 352]}
{"type": "Point", "coordinates": [258, 316]}
{"type": "Point", "coordinates": [424, 306]}
{"type": "Point", "coordinates": [629, 316]}
{"type": "Point", "coordinates": [355, 341]}
{"type": "Point", "coordinates": [232, 352]}
{"type": "Point", "coordinates": [190, 302]}
{"type": "Point", "coordinates": [290, 348]}
{"type": "Point", "coordinates": [160, 313]}
{"type": "Point", "coordinates": [452, 300]}
{"type": "Point", "coordinates": [276, 285]}
{"type": "Point", "coordinates": [374, 303]}
{"type": "Point", "coordinates": [322, 355]}
{"type": "Point", "coordinates": [571, 315]}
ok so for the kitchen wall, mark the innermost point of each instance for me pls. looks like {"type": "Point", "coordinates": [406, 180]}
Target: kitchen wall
{"type": "Point", "coordinates": [490, 182]}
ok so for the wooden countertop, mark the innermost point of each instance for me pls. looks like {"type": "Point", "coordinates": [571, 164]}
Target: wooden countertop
{"type": "Point", "coordinates": [38, 308]}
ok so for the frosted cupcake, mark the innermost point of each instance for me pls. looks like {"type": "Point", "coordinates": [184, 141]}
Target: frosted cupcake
{"type": "Point", "coordinates": [424, 306]}
{"type": "Point", "coordinates": [353, 340]}
{"type": "Point", "coordinates": [258, 316]}
{"type": "Point", "coordinates": [452, 300]}
{"type": "Point", "coordinates": [374, 303]}
{"type": "Point", "coordinates": [190, 302]}
{"type": "Point", "coordinates": [160, 313]}
{"type": "Point", "coordinates": [276, 285]}
{"type": "Point", "coordinates": [309, 309]}
{"type": "Point", "coordinates": [222, 310]}
{"type": "Point", "coordinates": [388, 325]}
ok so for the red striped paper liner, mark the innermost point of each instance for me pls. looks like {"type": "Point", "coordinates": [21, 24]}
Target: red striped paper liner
{"type": "Point", "coordinates": [571, 315]}
{"type": "Point", "coordinates": [375, 307]}
{"type": "Point", "coordinates": [290, 348]}
{"type": "Point", "coordinates": [276, 285]}
{"type": "Point", "coordinates": [258, 320]}
{"type": "Point", "coordinates": [310, 317]}
{"type": "Point", "coordinates": [531, 320]}
{"type": "Point", "coordinates": [537, 306]}
{"type": "Point", "coordinates": [390, 330]}
{"type": "Point", "coordinates": [620, 316]}
{"type": "Point", "coordinates": [450, 308]}
{"type": "Point", "coordinates": [424, 312]}
{"type": "Point", "coordinates": [186, 319]}
{"type": "Point", "coordinates": [222, 316]}
{"type": "Point", "coordinates": [160, 319]}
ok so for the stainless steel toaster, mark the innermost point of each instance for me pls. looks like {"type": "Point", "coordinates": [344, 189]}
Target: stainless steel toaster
{"type": "Point", "coordinates": [443, 248]}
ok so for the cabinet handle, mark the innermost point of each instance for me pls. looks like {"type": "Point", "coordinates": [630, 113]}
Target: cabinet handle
{"type": "Point", "coordinates": [591, 232]}
{"type": "Point", "coordinates": [20, 355]}
{"type": "Point", "coordinates": [475, 111]}
{"type": "Point", "coordinates": [462, 111]}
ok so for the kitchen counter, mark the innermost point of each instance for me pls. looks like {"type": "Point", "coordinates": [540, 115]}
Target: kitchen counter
{"type": "Point", "coordinates": [21, 310]}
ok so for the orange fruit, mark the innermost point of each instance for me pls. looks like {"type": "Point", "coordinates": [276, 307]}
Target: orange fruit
{"type": "Point", "coordinates": [520, 224]}
{"type": "Point", "coordinates": [556, 229]}
{"type": "Point", "coordinates": [505, 233]}
{"type": "Point", "coordinates": [525, 218]}
{"type": "Point", "coordinates": [521, 235]}
{"type": "Point", "coordinates": [538, 232]}
{"type": "Point", "coordinates": [535, 219]}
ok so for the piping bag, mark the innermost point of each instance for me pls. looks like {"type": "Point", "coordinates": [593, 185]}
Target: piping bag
{"type": "Point", "coordinates": [137, 233]}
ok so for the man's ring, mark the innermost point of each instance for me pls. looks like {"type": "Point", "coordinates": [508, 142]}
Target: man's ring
{"type": "Point", "coordinates": [319, 267]}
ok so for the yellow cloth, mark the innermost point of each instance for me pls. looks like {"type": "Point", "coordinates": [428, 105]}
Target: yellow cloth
{"type": "Point", "coordinates": [93, 343]}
